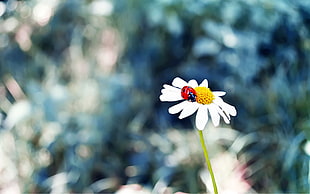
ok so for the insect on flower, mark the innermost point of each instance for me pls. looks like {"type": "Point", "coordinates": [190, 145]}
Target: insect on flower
{"type": "Point", "coordinates": [188, 93]}
{"type": "Point", "coordinates": [197, 98]}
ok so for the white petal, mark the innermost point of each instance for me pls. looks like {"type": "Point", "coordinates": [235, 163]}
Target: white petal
{"type": "Point", "coordinates": [227, 108]}
{"type": "Point", "coordinates": [215, 117]}
{"type": "Point", "coordinates": [178, 107]}
{"type": "Point", "coordinates": [168, 91]}
{"type": "Point", "coordinates": [219, 101]}
{"type": "Point", "coordinates": [202, 117]}
{"type": "Point", "coordinates": [189, 109]}
{"type": "Point", "coordinates": [171, 97]}
{"type": "Point", "coordinates": [178, 82]}
{"type": "Point", "coordinates": [220, 111]}
{"type": "Point", "coordinates": [218, 93]}
{"type": "Point", "coordinates": [193, 83]}
{"type": "Point", "coordinates": [230, 109]}
{"type": "Point", "coordinates": [171, 88]}
{"type": "Point", "coordinates": [204, 83]}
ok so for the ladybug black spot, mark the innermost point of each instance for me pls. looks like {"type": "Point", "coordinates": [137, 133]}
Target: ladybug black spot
{"type": "Point", "coordinates": [191, 97]}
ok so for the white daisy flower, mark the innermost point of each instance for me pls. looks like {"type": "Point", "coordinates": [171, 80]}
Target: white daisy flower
{"type": "Point", "coordinates": [197, 97]}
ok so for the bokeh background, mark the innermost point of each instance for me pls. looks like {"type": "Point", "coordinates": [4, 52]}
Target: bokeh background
{"type": "Point", "coordinates": [80, 81]}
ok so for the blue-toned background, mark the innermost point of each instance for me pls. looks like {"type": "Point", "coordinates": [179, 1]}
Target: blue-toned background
{"type": "Point", "coordinates": [80, 86]}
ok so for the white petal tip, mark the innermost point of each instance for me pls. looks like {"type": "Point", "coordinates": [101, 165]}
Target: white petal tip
{"type": "Point", "coordinates": [200, 128]}
{"type": "Point", "coordinates": [177, 108]}
{"type": "Point", "coordinates": [233, 111]}
{"type": "Point", "coordinates": [172, 111]}
{"type": "Point", "coordinates": [216, 124]}
{"type": "Point", "coordinates": [178, 82]}
{"type": "Point", "coordinates": [161, 98]}
{"type": "Point", "coordinates": [193, 83]}
{"type": "Point", "coordinates": [219, 93]}
{"type": "Point", "coordinates": [204, 83]}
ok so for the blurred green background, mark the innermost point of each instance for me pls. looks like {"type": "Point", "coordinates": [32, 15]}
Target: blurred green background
{"type": "Point", "coordinates": [80, 81]}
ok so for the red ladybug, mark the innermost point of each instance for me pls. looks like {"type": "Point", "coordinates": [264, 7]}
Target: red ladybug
{"type": "Point", "coordinates": [188, 93]}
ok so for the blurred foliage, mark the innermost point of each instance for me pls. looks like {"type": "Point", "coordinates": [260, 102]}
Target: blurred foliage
{"type": "Point", "coordinates": [80, 82]}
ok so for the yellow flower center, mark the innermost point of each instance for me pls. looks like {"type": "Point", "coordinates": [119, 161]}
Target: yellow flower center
{"type": "Point", "coordinates": [204, 95]}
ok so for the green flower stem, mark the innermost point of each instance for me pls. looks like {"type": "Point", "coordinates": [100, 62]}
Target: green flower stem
{"type": "Point", "coordinates": [205, 152]}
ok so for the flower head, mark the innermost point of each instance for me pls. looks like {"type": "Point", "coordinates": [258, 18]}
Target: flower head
{"type": "Point", "coordinates": [197, 97]}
